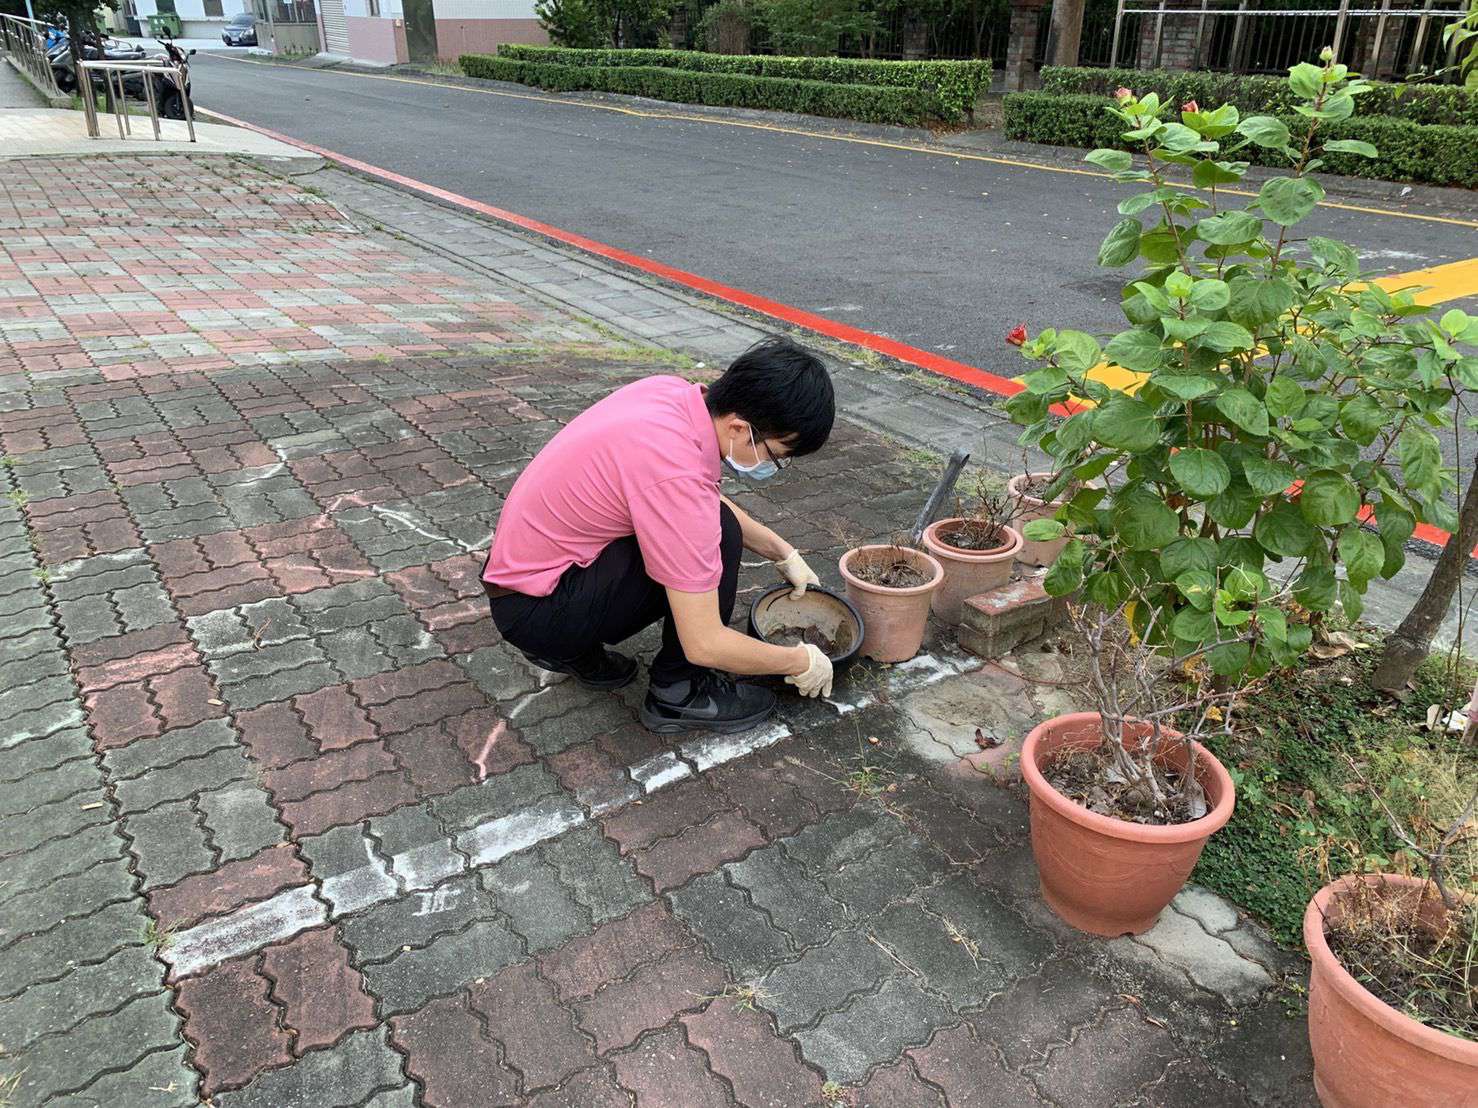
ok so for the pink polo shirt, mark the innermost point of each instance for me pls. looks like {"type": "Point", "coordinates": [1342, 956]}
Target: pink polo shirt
{"type": "Point", "coordinates": [644, 461]}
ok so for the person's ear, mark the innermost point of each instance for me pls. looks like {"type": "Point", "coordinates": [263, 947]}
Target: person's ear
{"type": "Point", "coordinates": [737, 427]}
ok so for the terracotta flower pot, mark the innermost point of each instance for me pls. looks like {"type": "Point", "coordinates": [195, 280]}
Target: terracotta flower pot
{"type": "Point", "coordinates": [893, 620]}
{"type": "Point", "coordinates": [1030, 508]}
{"type": "Point", "coordinates": [968, 573]}
{"type": "Point", "coordinates": [1103, 875]}
{"type": "Point", "coordinates": [1367, 1054]}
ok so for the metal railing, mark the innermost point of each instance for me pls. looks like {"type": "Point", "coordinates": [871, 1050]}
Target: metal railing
{"type": "Point", "coordinates": [25, 41]}
{"type": "Point", "coordinates": [113, 74]}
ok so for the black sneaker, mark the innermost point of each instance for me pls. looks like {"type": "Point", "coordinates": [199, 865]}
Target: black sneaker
{"type": "Point", "coordinates": [709, 702]}
{"type": "Point", "coordinates": [599, 669]}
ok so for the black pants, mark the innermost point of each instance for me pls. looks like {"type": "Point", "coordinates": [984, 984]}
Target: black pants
{"type": "Point", "coordinates": [609, 600]}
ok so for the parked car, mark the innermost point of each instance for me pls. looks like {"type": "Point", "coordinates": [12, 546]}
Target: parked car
{"type": "Point", "coordinates": [241, 30]}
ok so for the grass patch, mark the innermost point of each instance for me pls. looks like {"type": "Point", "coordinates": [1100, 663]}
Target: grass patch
{"type": "Point", "coordinates": [1300, 801]}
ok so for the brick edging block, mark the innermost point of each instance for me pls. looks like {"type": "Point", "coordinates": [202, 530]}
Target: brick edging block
{"type": "Point", "coordinates": [996, 622]}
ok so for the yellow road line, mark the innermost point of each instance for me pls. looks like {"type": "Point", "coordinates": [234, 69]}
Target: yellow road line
{"type": "Point", "coordinates": [913, 148]}
{"type": "Point", "coordinates": [1442, 283]}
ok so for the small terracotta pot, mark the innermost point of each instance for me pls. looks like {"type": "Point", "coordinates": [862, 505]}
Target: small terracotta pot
{"type": "Point", "coordinates": [1367, 1054]}
{"type": "Point", "coordinates": [1109, 876]}
{"type": "Point", "coordinates": [968, 573]}
{"type": "Point", "coordinates": [893, 620]}
{"type": "Point", "coordinates": [1034, 553]}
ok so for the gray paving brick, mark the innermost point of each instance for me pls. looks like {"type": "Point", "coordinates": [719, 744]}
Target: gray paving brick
{"type": "Point", "coordinates": [50, 663]}
{"type": "Point", "coordinates": [168, 843]}
{"type": "Point", "coordinates": [55, 1006]}
{"type": "Point", "coordinates": [98, 574]}
{"type": "Point", "coordinates": [841, 838]}
{"type": "Point", "coordinates": [22, 613]}
{"type": "Point", "coordinates": [47, 786]}
{"type": "Point", "coordinates": [161, 1079]}
{"type": "Point", "coordinates": [310, 672]}
{"type": "Point", "coordinates": [868, 885]}
{"type": "Point", "coordinates": [240, 820]}
{"type": "Point", "coordinates": [496, 797]}
{"type": "Point", "coordinates": [246, 627]}
{"type": "Point", "coordinates": [337, 850]}
{"type": "Point", "coordinates": [149, 754]}
{"type": "Point", "coordinates": [28, 830]}
{"type": "Point", "coordinates": [1001, 935]}
{"type": "Point", "coordinates": [342, 1076]}
{"type": "Point", "coordinates": [496, 671]}
{"type": "Point", "coordinates": [27, 759]}
{"type": "Point", "coordinates": [403, 1097]}
{"type": "Point", "coordinates": [73, 854]}
{"type": "Point", "coordinates": [873, 1029]}
{"type": "Point", "coordinates": [353, 875]}
{"type": "Point", "coordinates": [596, 873]}
{"type": "Point", "coordinates": [796, 903]}
{"type": "Point", "coordinates": [62, 1063]}
{"type": "Point", "coordinates": [23, 725]}
{"type": "Point", "coordinates": [69, 895]}
{"type": "Point", "coordinates": [822, 979]}
{"type": "Point", "coordinates": [405, 983]}
{"type": "Point", "coordinates": [122, 594]}
{"type": "Point", "coordinates": [540, 907]}
{"type": "Point", "coordinates": [252, 499]}
{"type": "Point", "coordinates": [734, 931]}
{"type": "Point", "coordinates": [81, 941]}
{"type": "Point", "coordinates": [182, 779]}
{"type": "Point", "coordinates": [417, 919]}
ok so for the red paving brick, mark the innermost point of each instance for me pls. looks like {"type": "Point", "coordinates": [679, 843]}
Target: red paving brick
{"type": "Point", "coordinates": [538, 1035]}
{"type": "Point", "coordinates": [455, 1064]}
{"type": "Point", "coordinates": [594, 1088]}
{"type": "Point", "coordinates": [674, 810]}
{"type": "Point", "coordinates": [329, 771]}
{"type": "Point", "coordinates": [613, 950]}
{"type": "Point", "coordinates": [232, 1023]}
{"type": "Point", "coordinates": [671, 862]}
{"type": "Point", "coordinates": [971, 1071]}
{"type": "Point", "coordinates": [349, 803]}
{"type": "Point", "coordinates": [897, 1086]}
{"type": "Point", "coordinates": [232, 885]}
{"type": "Point", "coordinates": [664, 1072]}
{"type": "Point", "coordinates": [322, 995]}
{"type": "Point", "coordinates": [621, 1011]}
{"type": "Point", "coordinates": [743, 1046]}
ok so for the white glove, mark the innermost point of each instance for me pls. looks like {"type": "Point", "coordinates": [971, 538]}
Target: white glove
{"type": "Point", "coordinates": [816, 681]}
{"type": "Point", "coordinates": [794, 569]}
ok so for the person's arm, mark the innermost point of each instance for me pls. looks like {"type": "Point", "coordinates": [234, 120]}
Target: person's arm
{"type": "Point", "coordinates": [709, 643]}
{"type": "Point", "coordinates": [758, 538]}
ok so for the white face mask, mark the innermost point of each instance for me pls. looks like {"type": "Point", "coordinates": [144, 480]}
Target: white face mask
{"type": "Point", "coordinates": [762, 470]}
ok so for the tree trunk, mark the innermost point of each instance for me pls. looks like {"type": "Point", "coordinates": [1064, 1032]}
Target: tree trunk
{"type": "Point", "coordinates": [1410, 642]}
{"type": "Point", "coordinates": [1067, 31]}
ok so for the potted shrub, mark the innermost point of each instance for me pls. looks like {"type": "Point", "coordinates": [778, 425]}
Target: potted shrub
{"type": "Point", "coordinates": [1122, 803]}
{"type": "Point", "coordinates": [1027, 492]}
{"type": "Point", "coordinates": [891, 585]}
{"type": "Point", "coordinates": [977, 548]}
{"type": "Point", "coordinates": [1393, 989]}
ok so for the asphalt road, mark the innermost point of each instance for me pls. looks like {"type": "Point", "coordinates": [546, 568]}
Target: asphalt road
{"type": "Point", "coordinates": [941, 253]}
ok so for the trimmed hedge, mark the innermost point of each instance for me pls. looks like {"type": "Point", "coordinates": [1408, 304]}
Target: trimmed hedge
{"type": "Point", "coordinates": [1430, 154]}
{"type": "Point", "coordinates": [1450, 105]}
{"type": "Point", "coordinates": [957, 84]}
{"type": "Point", "coordinates": [870, 103]}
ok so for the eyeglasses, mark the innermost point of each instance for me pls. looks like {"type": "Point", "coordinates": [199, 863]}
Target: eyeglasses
{"type": "Point", "coordinates": [781, 463]}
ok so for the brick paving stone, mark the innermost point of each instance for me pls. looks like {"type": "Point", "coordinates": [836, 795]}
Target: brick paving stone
{"type": "Point", "coordinates": [823, 978]}
{"type": "Point", "coordinates": [339, 1077]}
{"type": "Point", "coordinates": [48, 785]}
{"type": "Point", "coordinates": [872, 1028]}
{"type": "Point", "coordinates": [352, 875]}
{"type": "Point", "coordinates": [771, 802]}
{"type": "Point", "coordinates": [595, 873]}
{"type": "Point", "coordinates": [85, 940]}
{"type": "Point", "coordinates": [161, 751]}
{"type": "Point", "coordinates": [27, 760]}
{"type": "Point", "coordinates": [948, 959]}
{"type": "Point", "coordinates": [495, 797]}
{"type": "Point", "coordinates": [451, 1057]}
{"type": "Point", "coordinates": [592, 1088]}
{"type": "Point", "coordinates": [161, 1079]}
{"type": "Point", "coordinates": [971, 1072]}
{"type": "Point", "coordinates": [348, 803]}
{"type": "Point", "coordinates": [537, 1034]}
{"type": "Point", "coordinates": [122, 595]}
{"type": "Point", "coordinates": [651, 996]}
{"type": "Point", "coordinates": [239, 820]}
{"type": "Point", "coordinates": [733, 930]}
{"type": "Point", "coordinates": [496, 670]}
{"type": "Point", "coordinates": [232, 1023]}
{"type": "Point", "coordinates": [28, 830]}
{"type": "Point", "coordinates": [329, 770]}
{"type": "Point", "coordinates": [71, 895]}
{"type": "Point", "coordinates": [1042, 1010]}
{"type": "Point", "coordinates": [539, 906]}
{"type": "Point", "coordinates": [1193, 1082]}
{"type": "Point", "coordinates": [895, 1086]}
{"type": "Point", "coordinates": [841, 838]}
{"type": "Point", "coordinates": [321, 995]}
{"type": "Point", "coordinates": [416, 920]}
{"type": "Point", "coordinates": [742, 1046]}
{"type": "Point", "coordinates": [794, 902]}
{"type": "Point", "coordinates": [238, 882]}
{"type": "Point", "coordinates": [678, 808]}
{"type": "Point", "coordinates": [406, 981]}
{"type": "Point", "coordinates": [597, 780]}
{"type": "Point", "coordinates": [169, 843]}
{"type": "Point", "coordinates": [612, 951]}
{"type": "Point", "coordinates": [35, 868]}
{"type": "Point", "coordinates": [673, 861]}
{"type": "Point", "coordinates": [664, 1072]}
{"type": "Point", "coordinates": [181, 779]}
{"type": "Point", "coordinates": [869, 884]}
{"type": "Point", "coordinates": [1107, 1062]}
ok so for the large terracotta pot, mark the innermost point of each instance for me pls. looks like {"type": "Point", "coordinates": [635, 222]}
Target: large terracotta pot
{"type": "Point", "coordinates": [1103, 875]}
{"type": "Point", "coordinates": [1367, 1054]}
{"type": "Point", "coordinates": [893, 620]}
{"type": "Point", "coordinates": [1034, 553]}
{"type": "Point", "coordinates": [968, 573]}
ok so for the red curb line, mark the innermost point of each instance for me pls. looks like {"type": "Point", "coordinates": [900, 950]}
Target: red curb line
{"type": "Point", "coordinates": [912, 355]}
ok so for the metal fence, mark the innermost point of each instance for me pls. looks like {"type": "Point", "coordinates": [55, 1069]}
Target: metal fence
{"type": "Point", "coordinates": [25, 41]}
{"type": "Point", "coordinates": [114, 74]}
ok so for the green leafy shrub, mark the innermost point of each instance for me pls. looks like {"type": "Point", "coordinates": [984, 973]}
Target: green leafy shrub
{"type": "Point", "coordinates": [957, 85]}
{"type": "Point", "coordinates": [1431, 154]}
{"type": "Point", "coordinates": [870, 103]}
{"type": "Point", "coordinates": [1442, 104]}
{"type": "Point", "coordinates": [1281, 402]}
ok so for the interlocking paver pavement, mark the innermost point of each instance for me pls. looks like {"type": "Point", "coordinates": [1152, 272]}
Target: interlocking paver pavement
{"type": "Point", "coordinates": [282, 821]}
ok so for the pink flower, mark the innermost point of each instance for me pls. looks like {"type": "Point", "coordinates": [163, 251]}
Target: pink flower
{"type": "Point", "coordinates": [1190, 106]}
{"type": "Point", "coordinates": [1017, 335]}
{"type": "Point", "coordinates": [1121, 94]}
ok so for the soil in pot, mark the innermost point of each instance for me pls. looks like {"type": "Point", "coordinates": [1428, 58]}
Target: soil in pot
{"type": "Point", "coordinates": [974, 534]}
{"type": "Point", "coordinates": [832, 647]}
{"type": "Point", "coordinates": [889, 573]}
{"type": "Point", "coordinates": [1087, 777]}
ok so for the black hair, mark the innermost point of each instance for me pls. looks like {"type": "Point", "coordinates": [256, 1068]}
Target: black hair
{"type": "Point", "coordinates": [782, 390]}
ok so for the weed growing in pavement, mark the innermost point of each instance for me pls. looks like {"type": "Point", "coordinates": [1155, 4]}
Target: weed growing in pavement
{"type": "Point", "coordinates": [9, 1083]}
{"type": "Point", "coordinates": [8, 462]}
{"type": "Point", "coordinates": [445, 69]}
{"type": "Point", "coordinates": [17, 497]}
{"type": "Point", "coordinates": [834, 1096]}
{"type": "Point", "coordinates": [160, 938]}
{"type": "Point", "coordinates": [43, 574]}
{"type": "Point", "coordinates": [745, 997]}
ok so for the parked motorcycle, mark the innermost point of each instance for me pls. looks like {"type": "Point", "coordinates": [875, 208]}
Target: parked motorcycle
{"type": "Point", "coordinates": [169, 97]}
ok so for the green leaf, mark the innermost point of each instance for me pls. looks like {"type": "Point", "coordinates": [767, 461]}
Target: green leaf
{"type": "Point", "coordinates": [1200, 472]}
{"type": "Point", "coordinates": [1210, 295]}
{"type": "Point", "coordinates": [1077, 351]}
{"type": "Point", "coordinates": [1306, 80]}
{"type": "Point", "coordinates": [1184, 388]}
{"type": "Point", "coordinates": [1286, 200]}
{"type": "Point", "coordinates": [1043, 530]}
{"type": "Point", "coordinates": [1144, 522]}
{"type": "Point", "coordinates": [1139, 349]}
{"type": "Point", "coordinates": [1351, 600]}
{"type": "Point", "coordinates": [1229, 228]}
{"type": "Point", "coordinates": [1421, 459]}
{"type": "Point", "coordinates": [1075, 432]}
{"type": "Point", "coordinates": [1315, 588]}
{"type": "Point", "coordinates": [1272, 622]}
{"type": "Point", "coordinates": [1115, 161]}
{"type": "Point", "coordinates": [1265, 130]}
{"type": "Point", "coordinates": [1192, 625]}
{"type": "Point", "coordinates": [1245, 410]}
{"type": "Point", "coordinates": [1066, 573]}
{"type": "Point", "coordinates": [1224, 337]}
{"type": "Point", "coordinates": [1234, 508]}
{"type": "Point", "coordinates": [1351, 146]}
{"type": "Point", "coordinates": [1229, 658]}
{"type": "Point", "coordinates": [1209, 174]}
{"type": "Point", "coordinates": [1284, 531]}
{"type": "Point", "coordinates": [1267, 476]}
{"type": "Point", "coordinates": [1336, 258]}
{"type": "Point", "coordinates": [1240, 550]}
{"type": "Point", "coordinates": [1395, 525]}
{"type": "Point", "coordinates": [1121, 246]}
{"type": "Point", "coordinates": [1187, 556]}
{"type": "Point", "coordinates": [1126, 423]}
{"type": "Point", "coordinates": [1227, 615]}
{"type": "Point", "coordinates": [1362, 417]}
{"type": "Point", "coordinates": [1329, 499]}
{"type": "Point", "coordinates": [1284, 397]}
{"type": "Point", "coordinates": [1258, 300]}
{"type": "Point", "coordinates": [1362, 554]}
{"type": "Point", "coordinates": [1105, 589]}
{"type": "Point", "coordinates": [1197, 586]}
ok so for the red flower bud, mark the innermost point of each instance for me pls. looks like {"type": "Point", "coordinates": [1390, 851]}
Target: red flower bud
{"type": "Point", "coordinates": [1017, 335]}
{"type": "Point", "coordinates": [1121, 94]}
{"type": "Point", "coordinates": [1190, 106]}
